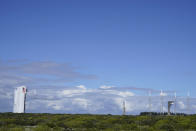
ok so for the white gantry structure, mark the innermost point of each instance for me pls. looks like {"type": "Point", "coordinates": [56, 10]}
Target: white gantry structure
{"type": "Point", "coordinates": [19, 99]}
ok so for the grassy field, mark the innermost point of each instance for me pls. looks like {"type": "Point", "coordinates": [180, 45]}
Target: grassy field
{"type": "Point", "coordinates": [86, 122]}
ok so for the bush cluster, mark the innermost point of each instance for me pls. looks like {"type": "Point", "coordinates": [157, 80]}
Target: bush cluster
{"type": "Point", "coordinates": [87, 122]}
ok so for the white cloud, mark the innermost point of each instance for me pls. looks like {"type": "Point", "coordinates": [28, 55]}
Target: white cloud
{"type": "Point", "coordinates": [6, 94]}
{"type": "Point", "coordinates": [96, 101]}
{"type": "Point", "coordinates": [81, 102]}
{"type": "Point", "coordinates": [163, 94]}
{"type": "Point", "coordinates": [79, 99]}
{"type": "Point", "coordinates": [119, 102]}
{"type": "Point", "coordinates": [105, 87]}
{"type": "Point", "coordinates": [125, 93]}
{"type": "Point", "coordinates": [41, 72]}
{"type": "Point", "coordinates": [56, 105]}
{"type": "Point", "coordinates": [73, 92]}
{"type": "Point", "coordinates": [129, 105]}
{"type": "Point", "coordinates": [181, 105]}
{"type": "Point", "coordinates": [81, 87]}
{"type": "Point", "coordinates": [194, 106]}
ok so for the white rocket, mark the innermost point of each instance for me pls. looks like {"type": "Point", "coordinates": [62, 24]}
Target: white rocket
{"type": "Point", "coordinates": [19, 99]}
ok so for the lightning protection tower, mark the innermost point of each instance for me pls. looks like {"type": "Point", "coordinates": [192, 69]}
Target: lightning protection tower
{"type": "Point", "coordinates": [188, 102]}
{"type": "Point", "coordinates": [161, 97]}
{"type": "Point", "coordinates": [175, 102]}
{"type": "Point", "coordinates": [150, 101]}
{"type": "Point", "coordinates": [19, 99]}
{"type": "Point", "coordinates": [124, 108]}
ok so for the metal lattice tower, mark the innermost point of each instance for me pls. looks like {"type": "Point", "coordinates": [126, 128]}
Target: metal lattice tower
{"type": "Point", "coordinates": [124, 108]}
{"type": "Point", "coordinates": [188, 102]}
{"type": "Point", "coordinates": [175, 102]}
{"type": "Point", "coordinates": [150, 101]}
{"type": "Point", "coordinates": [161, 97]}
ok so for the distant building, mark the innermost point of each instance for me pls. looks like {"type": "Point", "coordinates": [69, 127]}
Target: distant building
{"type": "Point", "coordinates": [19, 99]}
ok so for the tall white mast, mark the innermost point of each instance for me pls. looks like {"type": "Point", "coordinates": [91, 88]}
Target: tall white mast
{"type": "Point", "coordinates": [175, 102]}
{"type": "Point", "coordinates": [161, 96]}
{"type": "Point", "coordinates": [188, 102]}
{"type": "Point", "coordinates": [149, 100]}
{"type": "Point", "coordinates": [124, 108]}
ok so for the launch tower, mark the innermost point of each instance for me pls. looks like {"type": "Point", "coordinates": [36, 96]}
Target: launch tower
{"type": "Point", "coordinates": [19, 99]}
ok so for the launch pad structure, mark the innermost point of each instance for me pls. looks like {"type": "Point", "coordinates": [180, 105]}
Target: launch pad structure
{"type": "Point", "coordinates": [21, 92]}
{"type": "Point", "coordinates": [19, 99]}
{"type": "Point", "coordinates": [170, 103]}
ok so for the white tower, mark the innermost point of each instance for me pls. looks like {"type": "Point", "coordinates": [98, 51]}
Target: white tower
{"type": "Point", "coordinates": [149, 100]}
{"type": "Point", "coordinates": [161, 95]}
{"type": "Point", "coordinates": [188, 102]}
{"type": "Point", "coordinates": [175, 102]}
{"type": "Point", "coordinates": [124, 108]}
{"type": "Point", "coordinates": [19, 99]}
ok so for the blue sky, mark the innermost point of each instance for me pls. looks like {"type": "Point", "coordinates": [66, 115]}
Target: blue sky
{"type": "Point", "coordinates": [139, 43]}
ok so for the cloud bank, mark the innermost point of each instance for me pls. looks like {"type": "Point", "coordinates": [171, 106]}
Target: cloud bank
{"type": "Point", "coordinates": [45, 97]}
{"type": "Point", "coordinates": [98, 101]}
{"type": "Point", "coordinates": [13, 74]}
{"type": "Point", "coordinates": [33, 74]}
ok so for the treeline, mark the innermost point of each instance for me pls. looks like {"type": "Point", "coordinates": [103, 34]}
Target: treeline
{"type": "Point", "coordinates": [164, 113]}
{"type": "Point", "coordinates": [87, 122]}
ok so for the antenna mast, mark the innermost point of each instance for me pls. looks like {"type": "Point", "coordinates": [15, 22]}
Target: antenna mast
{"type": "Point", "coordinates": [175, 102]}
{"type": "Point", "coordinates": [188, 102]}
{"type": "Point", "coordinates": [161, 95]}
{"type": "Point", "coordinates": [149, 100]}
{"type": "Point", "coordinates": [124, 108]}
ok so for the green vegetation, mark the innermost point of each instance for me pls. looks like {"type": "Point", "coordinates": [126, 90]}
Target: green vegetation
{"type": "Point", "coordinates": [86, 122]}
